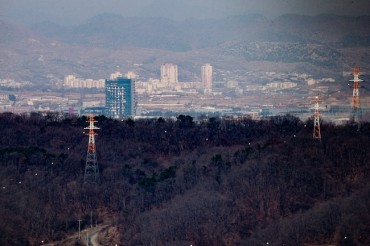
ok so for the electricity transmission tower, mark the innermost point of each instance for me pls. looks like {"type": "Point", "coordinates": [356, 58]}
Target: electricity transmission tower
{"type": "Point", "coordinates": [356, 110]}
{"type": "Point", "coordinates": [91, 168]}
{"type": "Point", "coordinates": [316, 121]}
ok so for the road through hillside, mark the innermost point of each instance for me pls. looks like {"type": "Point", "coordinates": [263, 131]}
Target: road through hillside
{"type": "Point", "coordinates": [93, 235]}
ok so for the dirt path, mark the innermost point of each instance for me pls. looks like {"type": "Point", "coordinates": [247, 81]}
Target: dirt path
{"type": "Point", "coordinates": [93, 236]}
{"type": "Point", "coordinates": [93, 240]}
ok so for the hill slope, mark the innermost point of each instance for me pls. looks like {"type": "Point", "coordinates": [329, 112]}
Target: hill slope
{"type": "Point", "coordinates": [216, 182]}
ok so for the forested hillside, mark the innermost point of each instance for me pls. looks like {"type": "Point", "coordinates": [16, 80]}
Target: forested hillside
{"type": "Point", "coordinates": [181, 182]}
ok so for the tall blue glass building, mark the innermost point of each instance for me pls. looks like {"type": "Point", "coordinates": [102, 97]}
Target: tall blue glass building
{"type": "Point", "coordinates": [120, 99]}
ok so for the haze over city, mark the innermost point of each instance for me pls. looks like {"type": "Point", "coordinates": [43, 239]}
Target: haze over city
{"type": "Point", "coordinates": [63, 46]}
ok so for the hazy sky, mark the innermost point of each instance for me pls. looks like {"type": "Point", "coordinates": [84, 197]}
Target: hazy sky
{"type": "Point", "coordinates": [76, 11]}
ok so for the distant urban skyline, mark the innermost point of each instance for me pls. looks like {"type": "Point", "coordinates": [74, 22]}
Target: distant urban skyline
{"type": "Point", "coordinates": [69, 12]}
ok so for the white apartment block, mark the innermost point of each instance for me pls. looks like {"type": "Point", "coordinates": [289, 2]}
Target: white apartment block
{"type": "Point", "coordinates": [207, 78]}
{"type": "Point", "coordinates": [73, 82]}
{"type": "Point", "coordinates": [281, 85]}
{"type": "Point", "coordinates": [115, 75]}
{"type": "Point", "coordinates": [131, 75]}
{"type": "Point", "coordinates": [169, 73]}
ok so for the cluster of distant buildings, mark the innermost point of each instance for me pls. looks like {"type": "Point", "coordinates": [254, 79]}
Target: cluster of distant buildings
{"type": "Point", "coordinates": [169, 79]}
{"type": "Point", "coordinates": [169, 82]}
{"type": "Point", "coordinates": [169, 75]}
{"type": "Point", "coordinates": [124, 95]}
{"type": "Point", "coordinates": [10, 83]}
{"type": "Point", "coordinates": [121, 90]}
{"type": "Point", "coordinates": [73, 82]}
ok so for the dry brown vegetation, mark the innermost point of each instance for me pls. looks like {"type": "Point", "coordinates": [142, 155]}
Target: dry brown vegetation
{"type": "Point", "coordinates": [175, 182]}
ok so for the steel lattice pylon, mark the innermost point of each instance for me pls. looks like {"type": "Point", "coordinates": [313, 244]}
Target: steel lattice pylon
{"type": "Point", "coordinates": [91, 168]}
{"type": "Point", "coordinates": [356, 110]}
{"type": "Point", "coordinates": [316, 121]}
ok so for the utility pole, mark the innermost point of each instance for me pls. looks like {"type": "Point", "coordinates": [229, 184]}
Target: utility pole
{"type": "Point", "coordinates": [79, 228]}
{"type": "Point", "coordinates": [91, 168]}
{"type": "Point", "coordinates": [91, 219]}
{"type": "Point", "coordinates": [316, 121]}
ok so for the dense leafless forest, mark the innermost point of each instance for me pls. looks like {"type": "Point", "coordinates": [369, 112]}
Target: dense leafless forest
{"type": "Point", "coordinates": [180, 181]}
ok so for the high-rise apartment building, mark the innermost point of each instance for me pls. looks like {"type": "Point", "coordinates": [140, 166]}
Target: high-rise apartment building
{"type": "Point", "coordinates": [120, 99]}
{"type": "Point", "coordinates": [169, 73]}
{"type": "Point", "coordinates": [207, 78]}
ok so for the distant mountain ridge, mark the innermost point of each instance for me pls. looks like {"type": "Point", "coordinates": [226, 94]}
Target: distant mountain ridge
{"type": "Point", "coordinates": [329, 43]}
{"type": "Point", "coordinates": [113, 30]}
